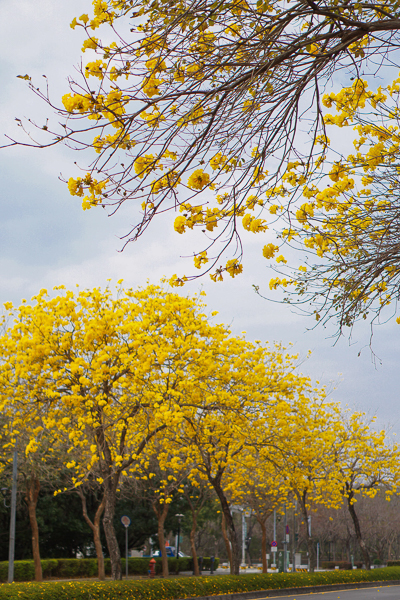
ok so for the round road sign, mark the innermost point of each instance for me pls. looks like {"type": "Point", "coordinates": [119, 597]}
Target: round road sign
{"type": "Point", "coordinates": [125, 521]}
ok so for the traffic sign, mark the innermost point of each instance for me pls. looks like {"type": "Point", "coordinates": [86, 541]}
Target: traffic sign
{"type": "Point", "coordinates": [274, 546]}
{"type": "Point", "coordinates": [125, 520]}
{"type": "Point", "coordinates": [274, 543]}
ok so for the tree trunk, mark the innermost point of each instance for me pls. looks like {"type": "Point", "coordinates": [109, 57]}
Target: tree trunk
{"type": "Point", "coordinates": [32, 494]}
{"type": "Point", "coordinates": [108, 524]}
{"type": "Point", "coordinates": [357, 529]}
{"type": "Point", "coordinates": [196, 571]}
{"type": "Point", "coordinates": [226, 539]}
{"type": "Point", "coordinates": [264, 546]}
{"type": "Point", "coordinates": [161, 511]}
{"type": "Point", "coordinates": [230, 525]}
{"type": "Point", "coordinates": [95, 527]}
{"type": "Point", "coordinates": [195, 509]}
{"type": "Point", "coordinates": [310, 542]}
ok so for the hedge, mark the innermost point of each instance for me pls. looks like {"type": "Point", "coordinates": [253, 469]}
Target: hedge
{"type": "Point", "coordinates": [184, 587]}
{"type": "Point", "coordinates": [393, 563]}
{"type": "Point", "coordinates": [71, 568]}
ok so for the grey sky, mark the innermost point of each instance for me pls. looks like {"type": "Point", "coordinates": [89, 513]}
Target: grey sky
{"type": "Point", "coordinates": [46, 239]}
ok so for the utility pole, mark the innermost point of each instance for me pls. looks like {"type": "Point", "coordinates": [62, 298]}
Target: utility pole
{"type": "Point", "coordinates": [275, 553]}
{"type": "Point", "coordinates": [243, 538]}
{"type": "Point", "coordinates": [11, 548]}
{"type": "Point", "coordinates": [285, 543]}
{"type": "Point", "coordinates": [294, 539]}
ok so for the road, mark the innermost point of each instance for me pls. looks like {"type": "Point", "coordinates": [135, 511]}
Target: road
{"type": "Point", "coordinates": [389, 592]}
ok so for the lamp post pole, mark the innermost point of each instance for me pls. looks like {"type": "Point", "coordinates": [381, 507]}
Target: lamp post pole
{"type": "Point", "coordinates": [285, 544]}
{"type": "Point", "coordinates": [179, 517]}
{"type": "Point", "coordinates": [125, 520]}
{"type": "Point", "coordinates": [274, 558]}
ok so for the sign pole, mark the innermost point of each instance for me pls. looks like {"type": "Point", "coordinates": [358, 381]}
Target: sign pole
{"type": "Point", "coordinates": [125, 520]}
{"type": "Point", "coordinates": [285, 544]}
{"type": "Point", "coordinates": [126, 552]}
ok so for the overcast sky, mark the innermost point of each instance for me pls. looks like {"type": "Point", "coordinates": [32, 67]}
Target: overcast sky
{"type": "Point", "coordinates": [46, 239]}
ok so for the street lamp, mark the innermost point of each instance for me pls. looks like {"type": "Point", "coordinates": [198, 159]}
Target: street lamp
{"type": "Point", "coordinates": [179, 517]}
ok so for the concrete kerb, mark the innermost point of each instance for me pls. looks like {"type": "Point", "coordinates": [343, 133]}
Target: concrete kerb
{"type": "Point", "coordinates": [312, 589]}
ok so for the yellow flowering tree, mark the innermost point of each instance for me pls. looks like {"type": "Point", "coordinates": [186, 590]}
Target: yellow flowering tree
{"type": "Point", "coordinates": [346, 221]}
{"type": "Point", "coordinates": [308, 462]}
{"type": "Point", "coordinates": [201, 106]}
{"type": "Point", "coordinates": [257, 484]}
{"type": "Point", "coordinates": [369, 464]}
{"type": "Point", "coordinates": [109, 373]}
{"type": "Point", "coordinates": [40, 461]}
{"type": "Point", "coordinates": [162, 470]}
{"type": "Point", "coordinates": [254, 399]}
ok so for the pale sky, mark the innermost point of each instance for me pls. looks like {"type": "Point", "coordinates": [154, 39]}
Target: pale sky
{"type": "Point", "coordinates": [46, 239]}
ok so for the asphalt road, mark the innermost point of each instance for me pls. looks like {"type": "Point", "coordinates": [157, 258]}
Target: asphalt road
{"type": "Point", "coordinates": [389, 592]}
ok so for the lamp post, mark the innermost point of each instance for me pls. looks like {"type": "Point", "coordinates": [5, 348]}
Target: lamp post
{"type": "Point", "coordinates": [179, 517]}
{"type": "Point", "coordinates": [274, 556]}
{"type": "Point", "coordinates": [125, 520]}
{"type": "Point", "coordinates": [285, 543]}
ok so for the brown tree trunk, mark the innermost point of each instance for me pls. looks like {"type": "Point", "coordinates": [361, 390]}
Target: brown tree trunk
{"type": "Point", "coordinates": [226, 539]}
{"type": "Point", "coordinates": [215, 481]}
{"type": "Point", "coordinates": [32, 494]}
{"type": "Point", "coordinates": [161, 511]}
{"type": "Point", "coordinates": [95, 527]}
{"type": "Point", "coordinates": [264, 546]}
{"type": "Point", "coordinates": [110, 499]}
{"type": "Point", "coordinates": [310, 542]}
{"type": "Point", "coordinates": [230, 525]}
{"type": "Point", "coordinates": [195, 509]}
{"type": "Point", "coordinates": [357, 529]}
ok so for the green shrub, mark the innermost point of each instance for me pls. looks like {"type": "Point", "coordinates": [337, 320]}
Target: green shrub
{"type": "Point", "coordinates": [183, 587]}
{"type": "Point", "coordinates": [72, 568]}
{"type": "Point", "coordinates": [24, 570]}
{"type": "Point", "coordinates": [393, 563]}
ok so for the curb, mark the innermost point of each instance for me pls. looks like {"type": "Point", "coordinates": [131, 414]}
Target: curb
{"type": "Point", "coordinates": [312, 589]}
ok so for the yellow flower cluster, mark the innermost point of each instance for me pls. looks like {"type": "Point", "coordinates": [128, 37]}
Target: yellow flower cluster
{"type": "Point", "coordinates": [198, 180]}
{"type": "Point", "coordinates": [95, 188]}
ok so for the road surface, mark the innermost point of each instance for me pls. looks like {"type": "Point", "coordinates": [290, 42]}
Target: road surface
{"type": "Point", "coordinates": [387, 592]}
